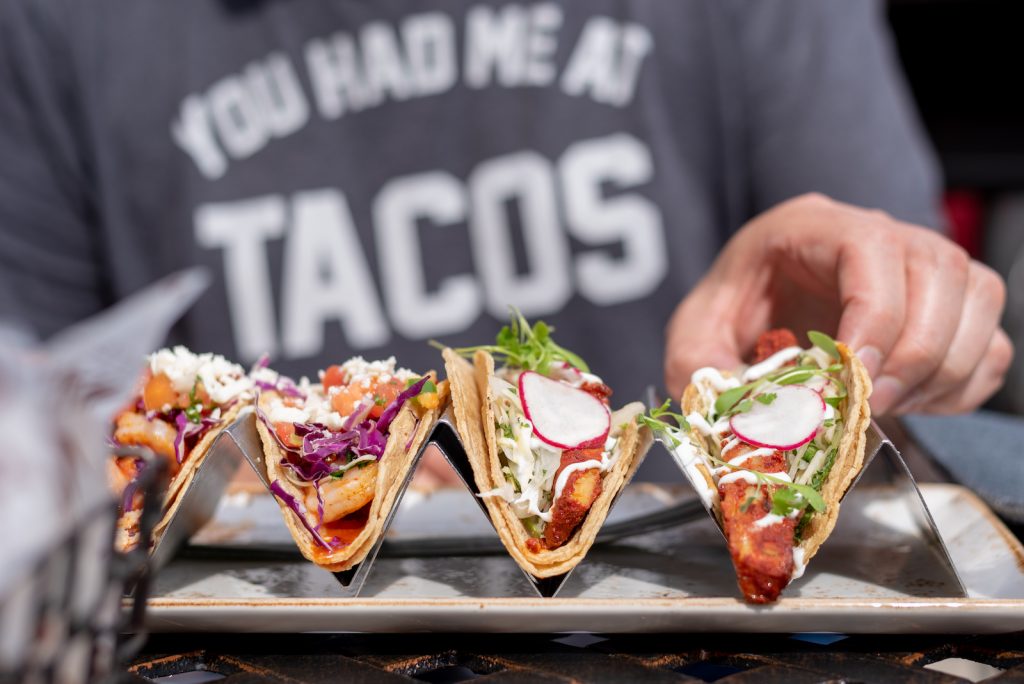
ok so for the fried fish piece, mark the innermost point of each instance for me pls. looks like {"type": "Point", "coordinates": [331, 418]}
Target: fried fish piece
{"type": "Point", "coordinates": [761, 554]}
{"type": "Point", "coordinates": [582, 488]}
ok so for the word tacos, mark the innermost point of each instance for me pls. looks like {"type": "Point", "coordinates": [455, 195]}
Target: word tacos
{"type": "Point", "coordinates": [338, 452]}
{"type": "Point", "coordinates": [185, 401]}
{"type": "Point", "coordinates": [772, 450]}
{"type": "Point", "coordinates": [547, 454]}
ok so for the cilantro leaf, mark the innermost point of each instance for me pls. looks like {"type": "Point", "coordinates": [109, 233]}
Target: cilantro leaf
{"type": "Point", "coordinates": [194, 410]}
{"type": "Point", "coordinates": [767, 398]}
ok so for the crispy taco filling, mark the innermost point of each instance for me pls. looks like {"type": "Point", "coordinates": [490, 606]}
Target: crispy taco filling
{"type": "Point", "coordinates": [549, 488]}
{"type": "Point", "coordinates": [760, 447]}
{"type": "Point", "coordinates": [552, 429]}
{"type": "Point", "coordinates": [332, 436]}
{"type": "Point", "coordinates": [184, 397]}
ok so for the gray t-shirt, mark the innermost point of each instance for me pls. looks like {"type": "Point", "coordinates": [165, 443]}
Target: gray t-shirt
{"type": "Point", "coordinates": [361, 177]}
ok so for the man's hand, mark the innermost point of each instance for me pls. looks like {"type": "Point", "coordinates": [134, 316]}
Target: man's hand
{"type": "Point", "coordinates": [921, 315]}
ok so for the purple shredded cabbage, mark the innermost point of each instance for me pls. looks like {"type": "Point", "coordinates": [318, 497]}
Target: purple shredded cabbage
{"type": "Point", "coordinates": [412, 435]}
{"type": "Point", "coordinates": [187, 429]}
{"type": "Point", "coordinates": [284, 385]}
{"type": "Point", "coordinates": [132, 487]}
{"type": "Point", "coordinates": [324, 453]}
{"type": "Point", "coordinates": [270, 427]}
{"type": "Point", "coordinates": [360, 414]}
{"type": "Point", "coordinates": [300, 511]}
{"type": "Point", "coordinates": [394, 407]}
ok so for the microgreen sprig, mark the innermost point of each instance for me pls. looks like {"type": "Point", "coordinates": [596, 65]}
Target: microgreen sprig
{"type": "Point", "coordinates": [521, 346]}
{"type": "Point", "coordinates": [658, 421]}
{"type": "Point", "coordinates": [788, 497]}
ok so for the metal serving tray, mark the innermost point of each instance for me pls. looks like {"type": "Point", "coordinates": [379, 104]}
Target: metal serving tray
{"type": "Point", "coordinates": [877, 573]}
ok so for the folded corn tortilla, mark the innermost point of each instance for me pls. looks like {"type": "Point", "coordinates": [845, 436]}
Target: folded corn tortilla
{"type": "Point", "coordinates": [406, 435]}
{"type": "Point", "coordinates": [474, 420]}
{"type": "Point", "coordinates": [127, 535]}
{"type": "Point", "coordinates": [849, 460]}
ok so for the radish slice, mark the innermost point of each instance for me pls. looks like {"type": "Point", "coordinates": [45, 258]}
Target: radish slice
{"type": "Point", "coordinates": [790, 421]}
{"type": "Point", "coordinates": [563, 416]}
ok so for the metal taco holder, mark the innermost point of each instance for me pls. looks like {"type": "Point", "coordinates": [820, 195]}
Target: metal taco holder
{"type": "Point", "coordinates": [246, 441]}
{"type": "Point", "coordinates": [200, 497]}
{"type": "Point", "coordinates": [242, 439]}
{"type": "Point", "coordinates": [447, 439]}
{"type": "Point", "coordinates": [888, 465]}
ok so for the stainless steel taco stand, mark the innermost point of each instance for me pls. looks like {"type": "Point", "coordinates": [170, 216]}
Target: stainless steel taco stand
{"type": "Point", "coordinates": [247, 441]}
{"type": "Point", "coordinates": [447, 439]}
{"type": "Point", "coordinates": [200, 497]}
{"type": "Point", "coordinates": [882, 464]}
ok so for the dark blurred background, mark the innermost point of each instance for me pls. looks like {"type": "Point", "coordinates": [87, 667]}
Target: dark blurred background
{"type": "Point", "coordinates": [963, 60]}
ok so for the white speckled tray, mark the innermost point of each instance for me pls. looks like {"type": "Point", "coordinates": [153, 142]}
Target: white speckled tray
{"type": "Point", "coordinates": [873, 575]}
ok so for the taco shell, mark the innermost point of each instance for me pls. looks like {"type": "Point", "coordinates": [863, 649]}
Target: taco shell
{"type": "Point", "coordinates": [849, 459]}
{"type": "Point", "coordinates": [127, 524]}
{"type": "Point", "coordinates": [405, 437]}
{"type": "Point", "coordinates": [474, 420]}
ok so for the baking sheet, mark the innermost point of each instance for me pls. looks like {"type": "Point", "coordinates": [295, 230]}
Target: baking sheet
{"type": "Point", "coordinates": [875, 574]}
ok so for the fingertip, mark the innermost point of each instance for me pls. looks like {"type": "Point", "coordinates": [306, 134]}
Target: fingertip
{"type": "Point", "coordinates": [871, 357]}
{"type": "Point", "coordinates": [885, 393]}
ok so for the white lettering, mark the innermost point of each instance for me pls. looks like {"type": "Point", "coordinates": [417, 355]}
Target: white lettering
{"type": "Point", "coordinates": [326, 277]}
{"type": "Point", "coordinates": [416, 313]}
{"type": "Point", "coordinates": [495, 43]}
{"type": "Point", "coordinates": [382, 60]}
{"type": "Point", "coordinates": [525, 178]}
{"type": "Point", "coordinates": [335, 76]}
{"type": "Point", "coordinates": [242, 229]}
{"type": "Point", "coordinates": [194, 135]}
{"type": "Point", "coordinates": [276, 89]}
{"type": "Point", "coordinates": [237, 118]}
{"type": "Point", "coordinates": [517, 43]}
{"type": "Point", "coordinates": [606, 61]}
{"type": "Point", "coordinates": [629, 219]}
{"type": "Point", "coordinates": [545, 20]}
{"type": "Point", "coordinates": [430, 45]}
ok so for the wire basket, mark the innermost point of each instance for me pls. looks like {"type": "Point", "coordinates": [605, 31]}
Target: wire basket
{"type": "Point", "coordinates": [79, 612]}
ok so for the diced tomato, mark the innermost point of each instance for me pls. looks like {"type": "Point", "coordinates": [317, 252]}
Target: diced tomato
{"type": "Point", "coordinates": [383, 393]}
{"type": "Point", "coordinates": [333, 377]}
{"type": "Point", "coordinates": [286, 432]}
{"type": "Point", "coordinates": [159, 392]}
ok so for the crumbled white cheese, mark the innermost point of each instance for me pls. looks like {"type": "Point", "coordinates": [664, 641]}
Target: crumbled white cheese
{"type": "Point", "coordinates": [223, 381]}
{"type": "Point", "coordinates": [359, 368]}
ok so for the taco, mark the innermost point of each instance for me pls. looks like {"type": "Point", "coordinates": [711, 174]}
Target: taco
{"type": "Point", "coordinates": [772, 450]}
{"type": "Point", "coordinates": [184, 401]}
{"type": "Point", "coordinates": [548, 455]}
{"type": "Point", "coordinates": [338, 452]}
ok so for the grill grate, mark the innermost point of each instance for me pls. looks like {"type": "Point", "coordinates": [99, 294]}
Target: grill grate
{"type": "Point", "coordinates": [493, 659]}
